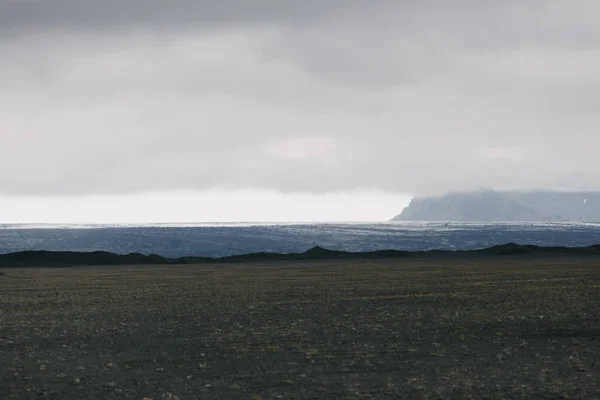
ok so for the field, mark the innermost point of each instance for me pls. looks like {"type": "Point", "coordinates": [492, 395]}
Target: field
{"type": "Point", "coordinates": [497, 328]}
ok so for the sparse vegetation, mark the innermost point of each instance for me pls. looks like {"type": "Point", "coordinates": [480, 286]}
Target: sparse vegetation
{"type": "Point", "coordinates": [497, 328]}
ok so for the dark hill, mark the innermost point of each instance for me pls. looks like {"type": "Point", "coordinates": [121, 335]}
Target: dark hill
{"type": "Point", "coordinates": [66, 259]}
{"type": "Point", "coordinates": [50, 258]}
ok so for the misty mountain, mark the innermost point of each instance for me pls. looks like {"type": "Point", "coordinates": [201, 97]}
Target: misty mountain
{"type": "Point", "coordinates": [505, 206]}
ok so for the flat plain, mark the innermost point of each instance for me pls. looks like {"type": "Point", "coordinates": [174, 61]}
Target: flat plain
{"type": "Point", "coordinates": [503, 327]}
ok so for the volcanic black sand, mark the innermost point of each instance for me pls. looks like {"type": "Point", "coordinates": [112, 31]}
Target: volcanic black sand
{"type": "Point", "coordinates": [505, 327]}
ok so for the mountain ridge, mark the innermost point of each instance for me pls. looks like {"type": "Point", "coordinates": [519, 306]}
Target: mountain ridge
{"type": "Point", "coordinates": [44, 258]}
{"type": "Point", "coordinates": [509, 206]}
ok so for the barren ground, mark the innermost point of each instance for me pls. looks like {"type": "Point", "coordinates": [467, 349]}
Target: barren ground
{"type": "Point", "coordinates": [374, 329]}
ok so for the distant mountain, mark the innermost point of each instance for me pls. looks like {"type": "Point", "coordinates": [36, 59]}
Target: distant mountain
{"type": "Point", "coordinates": [505, 206]}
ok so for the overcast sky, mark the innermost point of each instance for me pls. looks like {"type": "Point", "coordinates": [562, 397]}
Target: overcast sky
{"type": "Point", "coordinates": [278, 98]}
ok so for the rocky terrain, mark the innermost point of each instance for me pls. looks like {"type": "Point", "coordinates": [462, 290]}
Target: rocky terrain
{"type": "Point", "coordinates": [359, 329]}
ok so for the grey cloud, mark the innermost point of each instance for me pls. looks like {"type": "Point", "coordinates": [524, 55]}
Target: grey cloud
{"type": "Point", "coordinates": [24, 16]}
{"type": "Point", "coordinates": [483, 24]}
{"type": "Point", "coordinates": [417, 97]}
{"type": "Point", "coordinates": [374, 43]}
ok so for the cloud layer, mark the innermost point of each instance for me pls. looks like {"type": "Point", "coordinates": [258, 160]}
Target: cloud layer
{"type": "Point", "coordinates": [424, 97]}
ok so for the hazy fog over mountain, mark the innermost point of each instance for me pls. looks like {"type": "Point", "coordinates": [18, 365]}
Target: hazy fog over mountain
{"type": "Point", "coordinates": [505, 206]}
{"type": "Point", "coordinates": [134, 98]}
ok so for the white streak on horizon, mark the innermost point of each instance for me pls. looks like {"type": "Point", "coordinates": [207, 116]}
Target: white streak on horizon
{"type": "Point", "coordinates": [217, 206]}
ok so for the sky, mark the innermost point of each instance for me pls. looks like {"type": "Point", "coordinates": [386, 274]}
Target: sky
{"type": "Point", "coordinates": [197, 110]}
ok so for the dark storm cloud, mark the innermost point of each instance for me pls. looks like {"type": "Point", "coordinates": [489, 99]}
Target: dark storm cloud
{"type": "Point", "coordinates": [420, 97]}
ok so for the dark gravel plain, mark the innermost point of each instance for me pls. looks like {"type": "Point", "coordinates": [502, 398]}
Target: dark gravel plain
{"type": "Point", "coordinates": [502, 328]}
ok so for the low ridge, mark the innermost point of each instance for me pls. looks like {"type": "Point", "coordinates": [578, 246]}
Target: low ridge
{"type": "Point", "coordinates": [68, 258]}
